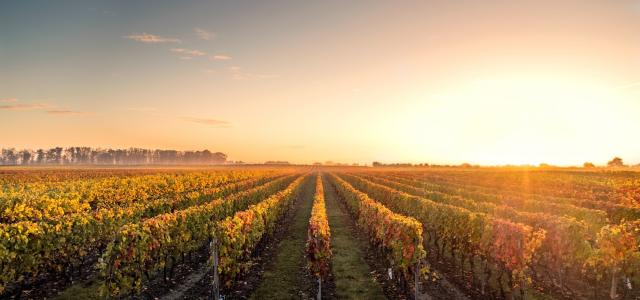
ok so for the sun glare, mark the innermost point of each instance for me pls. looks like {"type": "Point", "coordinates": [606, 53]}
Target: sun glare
{"type": "Point", "coordinates": [516, 119]}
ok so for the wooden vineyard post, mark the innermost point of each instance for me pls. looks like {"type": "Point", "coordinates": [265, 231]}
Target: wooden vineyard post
{"type": "Point", "coordinates": [613, 293]}
{"type": "Point", "coordinates": [215, 290]}
{"type": "Point", "coordinates": [523, 289]}
{"type": "Point", "coordinates": [319, 288]}
{"type": "Point", "coordinates": [417, 280]}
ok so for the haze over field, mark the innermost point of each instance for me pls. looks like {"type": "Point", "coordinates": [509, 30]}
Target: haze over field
{"type": "Point", "coordinates": [489, 82]}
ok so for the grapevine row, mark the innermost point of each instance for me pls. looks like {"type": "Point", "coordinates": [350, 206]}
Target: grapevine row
{"type": "Point", "coordinates": [614, 211]}
{"type": "Point", "coordinates": [597, 218]}
{"type": "Point", "coordinates": [567, 243]}
{"type": "Point", "coordinates": [569, 248]}
{"type": "Point", "coordinates": [318, 247]}
{"type": "Point", "coordinates": [138, 250]}
{"type": "Point", "coordinates": [617, 254]}
{"type": "Point", "coordinates": [498, 243]}
{"type": "Point", "coordinates": [590, 188]}
{"type": "Point", "coordinates": [239, 235]}
{"type": "Point", "coordinates": [49, 202]}
{"type": "Point", "coordinates": [28, 249]}
{"type": "Point", "coordinates": [399, 237]}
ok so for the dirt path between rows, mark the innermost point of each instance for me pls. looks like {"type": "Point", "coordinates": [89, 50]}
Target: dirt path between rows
{"type": "Point", "coordinates": [352, 275]}
{"type": "Point", "coordinates": [286, 276]}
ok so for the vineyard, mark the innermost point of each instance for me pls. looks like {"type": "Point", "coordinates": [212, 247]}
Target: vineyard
{"type": "Point", "coordinates": [312, 232]}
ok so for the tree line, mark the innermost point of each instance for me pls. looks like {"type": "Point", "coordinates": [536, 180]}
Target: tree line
{"type": "Point", "coordinates": [100, 156]}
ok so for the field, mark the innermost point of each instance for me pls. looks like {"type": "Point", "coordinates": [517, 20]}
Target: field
{"type": "Point", "coordinates": [292, 232]}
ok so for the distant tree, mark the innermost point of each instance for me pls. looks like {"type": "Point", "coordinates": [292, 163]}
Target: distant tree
{"type": "Point", "coordinates": [25, 157]}
{"type": "Point", "coordinates": [218, 157]}
{"type": "Point", "coordinates": [9, 157]}
{"type": "Point", "coordinates": [588, 165]}
{"type": "Point", "coordinates": [41, 156]}
{"type": "Point", "coordinates": [104, 157]}
{"type": "Point", "coordinates": [465, 165]}
{"type": "Point", "coordinates": [377, 164]}
{"type": "Point", "coordinates": [54, 156]}
{"type": "Point", "coordinates": [84, 155]}
{"type": "Point", "coordinates": [70, 155]}
{"type": "Point", "coordinates": [88, 155]}
{"type": "Point", "coordinates": [615, 162]}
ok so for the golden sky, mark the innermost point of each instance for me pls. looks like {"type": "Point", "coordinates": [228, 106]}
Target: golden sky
{"type": "Point", "coordinates": [490, 82]}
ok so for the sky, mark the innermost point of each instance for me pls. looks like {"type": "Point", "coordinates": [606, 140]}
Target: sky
{"type": "Point", "coordinates": [486, 82]}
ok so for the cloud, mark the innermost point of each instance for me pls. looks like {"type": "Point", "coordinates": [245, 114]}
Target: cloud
{"type": "Point", "coordinates": [148, 110]}
{"type": "Point", "coordinates": [221, 57]}
{"type": "Point", "coordinates": [210, 122]}
{"type": "Point", "coordinates": [204, 34]}
{"type": "Point", "coordinates": [64, 112]}
{"type": "Point", "coordinates": [47, 108]}
{"type": "Point", "coordinates": [188, 52]}
{"type": "Point", "coordinates": [8, 100]}
{"type": "Point", "coordinates": [150, 38]}
{"type": "Point", "coordinates": [238, 74]}
{"type": "Point", "coordinates": [25, 106]}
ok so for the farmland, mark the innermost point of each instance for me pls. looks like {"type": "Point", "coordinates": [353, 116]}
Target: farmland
{"type": "Point", "coordinates": [291, 232]}
{"type": "Point", "coordinates": [183, 150]}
